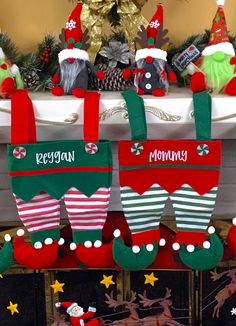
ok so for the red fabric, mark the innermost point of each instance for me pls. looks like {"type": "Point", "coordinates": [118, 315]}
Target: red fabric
{"type": "Point", "coordinates": [7, 87]}
{"type": "Point", "coordinates": [91, 116]}
{"type": "Point", "coordinates": [231, 241]}
{"type": "Point", "coordinates": [142, 178]}
{"type": "Point", "coordinates": [172, 77]}
{"type": "Point", "coordinates": [76, 321]}
{"type": "Point", "coordinates": [101, 75]}
{"type": "Point", "coordinates": [76, 32]}
{"type": "Point", "coordinates": [146, 237]}
{"type": "Point", "coordinates": [219, 31]}
{"type": "Point", "coordinates": [198, 82]}
{"type": "Point", "coordinates": [57, 91]}
{"type": "Point", "coordinates": [230, 89]}
{"type": "Point", "coordinates": [233, 61]}
{"type": "Point", "coordinates": [96, 257]}
{"type": "Point", "coordinates": [152, 30]}
{"type": "Point", "coordinates": [193, 238]}
{"type": "Point", "coordinates": [56, 79]}
{"type": "Point", "coordinates": [32, 258]}
{"type": "Point", "coordinates": [127, 73]}
{"type": "Point", "coordinates": [23, 129]}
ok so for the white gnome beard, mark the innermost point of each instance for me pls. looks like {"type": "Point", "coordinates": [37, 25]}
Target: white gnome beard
{"type": "Point", "coordinates": [69, 73]}
{"type": "Point", "coordinates": [77, 313]}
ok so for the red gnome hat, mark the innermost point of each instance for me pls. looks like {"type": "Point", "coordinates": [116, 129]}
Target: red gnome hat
{"type": "Point", "coordinates": [73, 37]}
{"type": "Point", "coordinates": [152, 32]}
{"type": "Point", "coordinates": [69, 306]}
{"type": "Point", "coordinates": [219, 39]}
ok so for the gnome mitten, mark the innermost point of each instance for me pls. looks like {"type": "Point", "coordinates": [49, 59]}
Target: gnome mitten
{"type": "Point", "coordinates": [72, 76]}
{"type": "Point", "coordinates": [217, 66]}
{"type": "Point", "coordinates": [6, 254]}
{"type": "Point", "coordinates": [151, 69]}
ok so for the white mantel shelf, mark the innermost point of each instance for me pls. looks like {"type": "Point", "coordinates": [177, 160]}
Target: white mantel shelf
{"type": "Point", "coordinates": [167, 117]}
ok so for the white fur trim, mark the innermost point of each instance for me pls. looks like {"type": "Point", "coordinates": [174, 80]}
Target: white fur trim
{"type": "Point", "coordinates": [14, 70]}
{"type": "Point", "coordinates": [220, 3]}
{"type": "Point", "coordinates": [225, 47]}
{"type": "Point", "coordinates": [73, 53]}
{"type": "Point", "coordinates": [92, 309]}
{"type": "Point", "coordinates": [71, 307]}
{"type": "Point", "coordinates": [2, 55]}
{"type": "Point", "coordinates": [153, 52]}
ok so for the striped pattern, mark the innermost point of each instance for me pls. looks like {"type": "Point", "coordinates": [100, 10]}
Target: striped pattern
{"type": "Point", "coordinates": [41, 213]}
{"type": "Point", "coordinates": [87, 213]}
{"type": "Point", "coordinates": [193, 211]}
{"type": "Point", "coordinates": [143, 212]}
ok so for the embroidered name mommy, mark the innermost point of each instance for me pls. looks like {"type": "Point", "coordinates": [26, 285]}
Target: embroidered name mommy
{"type": "Point", "coordinates": [54, 157]}
{"type": "Point", "coordinates": [163, 156]}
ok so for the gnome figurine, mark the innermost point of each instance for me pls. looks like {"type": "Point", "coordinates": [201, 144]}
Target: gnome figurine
{"type": "Point", "coordinates": [151, 70]}
{"type": "Point", "coordinates": [215, 70]}
{"type": "Point", "coordinates": [10, 77]}
{"type": "Point", "coordinates": [74, 65]}
{"type": "Point", "coordinates": [77, 315]}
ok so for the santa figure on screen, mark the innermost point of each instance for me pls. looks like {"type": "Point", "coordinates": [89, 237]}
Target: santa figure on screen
{"type": "Point", "coordinates": [77, 315]}
{"type": "Point", "coordinates": [71, 77]}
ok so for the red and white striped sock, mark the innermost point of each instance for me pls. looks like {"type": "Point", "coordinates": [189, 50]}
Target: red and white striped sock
{"type": "Point", "coordinates": [87, 213]}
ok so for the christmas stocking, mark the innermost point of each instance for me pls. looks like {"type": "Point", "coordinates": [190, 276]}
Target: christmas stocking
{"type": "Point", "coordinates": [87, 208]}
{"type": "Point", "coordinates": [185, 171]}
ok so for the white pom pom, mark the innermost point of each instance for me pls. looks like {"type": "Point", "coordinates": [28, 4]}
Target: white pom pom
{"type": "Point", "coordinates": [38, 245]}
{"type": "Point", "coordinates": [116, 233]}
{"type": "Point", "coordinates": [73, 246]}
{"type": "Point", "coordinates": [61, 242]}
{"type": "Point", "coordinates": [88, 244]}
{"type": "Point", "coordinates": [97, 244]}
{"type": "Point", "coordinates": [190, 248]}
{"type": "Point", "coordinates": [234, 221]}
{"type": "Point", "coordinates": [48, 241]}
{"type": "Point", "coordinates": [150, 247]}
{"type": "Point", "coordinates": [176, 246]}
{"type": "Point", "coordinates": [20, 232]}
{"type": "Point", "coordinates": [135, 249]}
{"type": "Point", "coordinates": [162, 242]}
{"type": "Point", "coordinates": [2, 55]}
{"type": "Point", "coordinates": [211, 230]}
{"type": "Point", "coordinates": [206, 245]}
{"type": "Point", "coordinates": [7, 237]}
{"type": "Point", "coordinates": [220, 3]}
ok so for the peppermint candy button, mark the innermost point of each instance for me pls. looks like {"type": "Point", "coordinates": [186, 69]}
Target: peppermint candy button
{"type": "Point", "coordinates": [19, 152]}
{"type": "Point", "coordinates": [203, 150]}
{"type": "Point", "coordinates": [91, 148]}
{"type": "Point", "coordinates": [137, 149]}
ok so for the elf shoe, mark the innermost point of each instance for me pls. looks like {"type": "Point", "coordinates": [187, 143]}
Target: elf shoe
{"type": "Point", "coordinates": [6, 255]}
{"type": "Point", "coordinates": [142, 253]}
{"type": "Point", "coordinates": [42, 255]}
{"type": "Point", "coordinates": [196, 251]}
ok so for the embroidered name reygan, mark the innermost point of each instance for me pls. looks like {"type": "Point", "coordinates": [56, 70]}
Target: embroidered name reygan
{"type": "Point", "coordinates": [54, 157]}
{"type": "Point", "coordinates": [163, 156]}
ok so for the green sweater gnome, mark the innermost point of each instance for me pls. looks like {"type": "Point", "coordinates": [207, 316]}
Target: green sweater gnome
{"type": "Point", "coordinates": [10, 77]}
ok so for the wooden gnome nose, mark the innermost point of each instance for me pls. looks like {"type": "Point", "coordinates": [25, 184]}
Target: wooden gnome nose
{"type": "Point", "coordinates": [149, 59]}
{"type": "Point", "coordinates": [70, 60]}
{"type": "Point", "coordinates": [33, 258]}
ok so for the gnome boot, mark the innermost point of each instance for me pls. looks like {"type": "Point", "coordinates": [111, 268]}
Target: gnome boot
{"type": "Point", "coordinates": [58, 91]}
{"type": "Point", "coordinates": [158, 92]}
{"type": "Point", "coordinates": [6, 255]}
{"type": "Point", "coordinates": [198, 82]}
{"type": "Point", "coordinates": [142, 253]}
{"type": "Point", "coordinates": [79, 92]}
{"type": "Point", "coordinates": [7, 87]}
{"type": "Point", "coordinates": [90, 250]}
{"type": "Point", "coordinates": [44, 252]}
{"type": "Point", "coordinates": [230, 89]}
{"type": "Point", "coordinates": [196, 252]}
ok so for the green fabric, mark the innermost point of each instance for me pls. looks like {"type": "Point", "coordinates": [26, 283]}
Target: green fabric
{"type": "Point", "coordinates": [19, 81]}
{"type": "Point", "coordinates": [203, 259]}
{"type": "Point", "coordinates": [137, 118]}
{"type": "Point", "coordinates": [130, 261]}
{"type": "Point", "coordinates": [57, 183]}
{"type": "Point", "coordinates": [88, 235]}
{"type": "Point", "coordinates": [202, 113]}
{"type": "Point", "coordinates": [54, 234]}
{"type": "Point", "coordinates": [6, 257]}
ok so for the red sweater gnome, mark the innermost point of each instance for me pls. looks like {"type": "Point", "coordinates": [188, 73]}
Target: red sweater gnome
{"type": "Point", "coordinates": [77, 315]}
